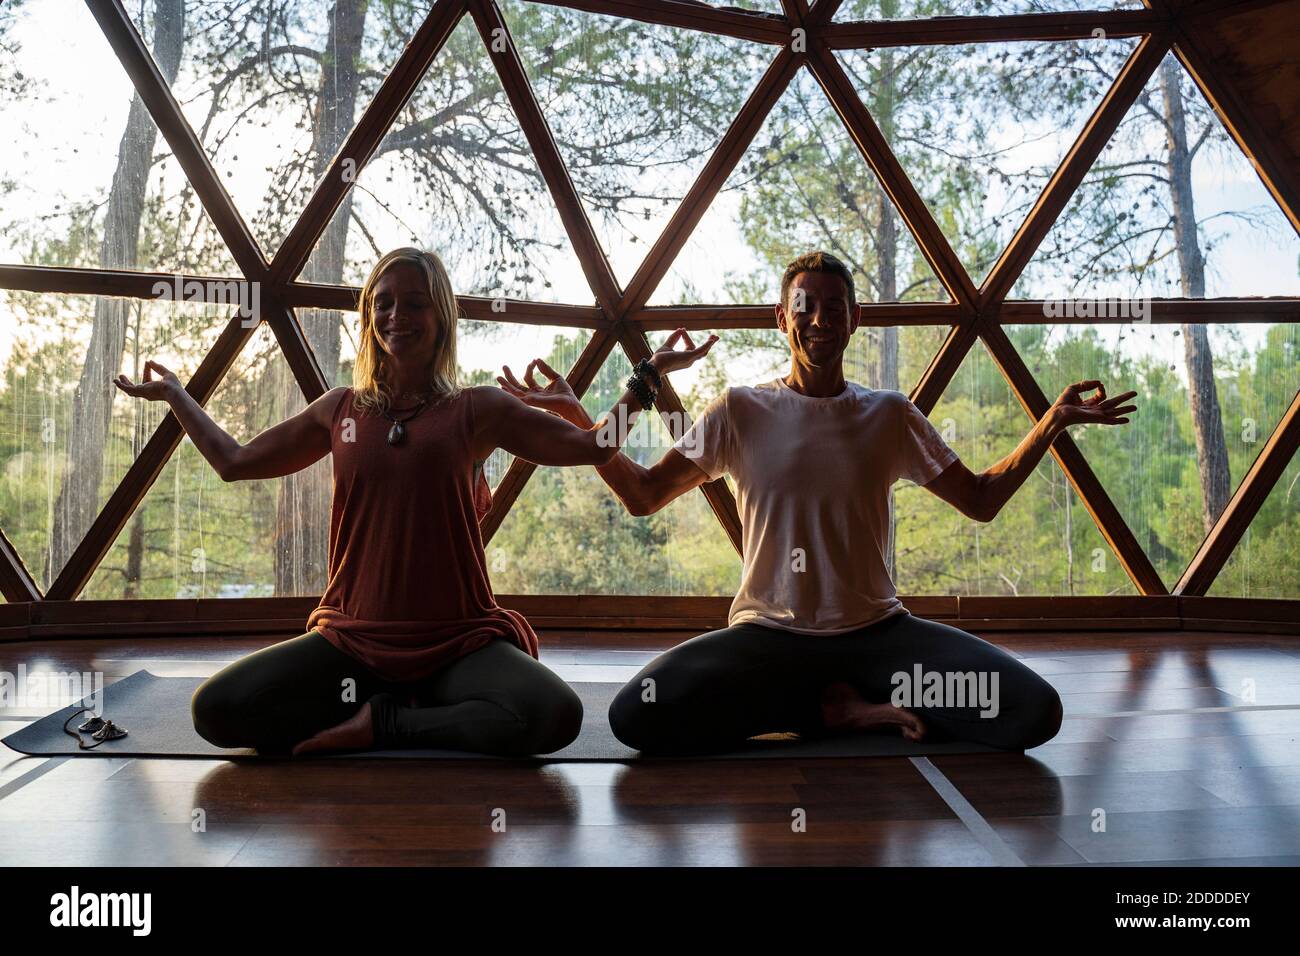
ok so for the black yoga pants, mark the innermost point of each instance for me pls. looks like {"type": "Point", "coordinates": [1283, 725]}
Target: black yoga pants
{"type": "Point", "coordinates": [496, 700]}
{"type": "Point", "coordinates": [712, 692]}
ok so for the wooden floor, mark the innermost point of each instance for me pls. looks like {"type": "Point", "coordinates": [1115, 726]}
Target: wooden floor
{"type": "Point", "coordinates": [1161, 737]}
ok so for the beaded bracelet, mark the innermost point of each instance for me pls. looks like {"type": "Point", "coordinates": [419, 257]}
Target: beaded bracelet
{"type": "Point", "coordinates": [644, 394]}
{"type": "Point", "coordinates": [646, 368]}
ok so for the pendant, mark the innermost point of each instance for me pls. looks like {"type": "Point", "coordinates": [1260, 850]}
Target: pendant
{"type": "Point", "coordinates": [396, 433]}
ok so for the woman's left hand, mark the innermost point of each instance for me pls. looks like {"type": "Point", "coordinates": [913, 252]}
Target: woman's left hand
{"type": "Point", "coordinates": [667, 359]}
{"type": "Point", "coordinates": [556, 396]}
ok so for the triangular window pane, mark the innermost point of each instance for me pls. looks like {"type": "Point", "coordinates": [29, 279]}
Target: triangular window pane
{"type": "Point", "coordinates": [88, 180]}
{"type": "Point", "coordinates": [195, 536]}
{"type": "Point", "coordinates": [273, 90]}
{"type": "Point", "coordinates": [1189, 467]}
{"type": "Point", "coordinates": [801, 185]}
{"type": "Point", "coordinates": [59, 355]}
{"type": "Point", "coordinates": [456, 175]}
{"type": "Point", "coordinates": [1263, 564]}
{"type": "Point", "coordinates": [981, 128]}
{"type": "Point", "coordinates": [636, 110]}
{"type": "Point", "coordinates": [483, 348]}
{"type": "Point", "coordinates": [1042, 542]}
{"type": "Point", "coordinates": [1146, 222]}
{"type": "Point", "coordinates": [594, 545]}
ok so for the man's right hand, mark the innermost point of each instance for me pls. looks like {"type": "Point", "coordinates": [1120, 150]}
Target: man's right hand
{"type": "Point", "coordinates": [155, 390]}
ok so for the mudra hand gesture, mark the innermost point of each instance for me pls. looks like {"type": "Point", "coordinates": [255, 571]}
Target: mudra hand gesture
{"type": "Point", "coordinates": [668, 359]}
{"type": "Point", "coordinates": [155, 390]}
{"type": "Point", "coordinates": [557, 395]}
{"type": "Point", "coordinates": [1098, 409]}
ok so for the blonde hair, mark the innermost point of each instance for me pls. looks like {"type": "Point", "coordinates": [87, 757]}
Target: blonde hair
{"type": "Point", "coordinates": [371, 387]}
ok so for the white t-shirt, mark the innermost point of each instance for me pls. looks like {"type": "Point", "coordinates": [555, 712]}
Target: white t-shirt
{"type": "Point", "coordinates": [813, 476]}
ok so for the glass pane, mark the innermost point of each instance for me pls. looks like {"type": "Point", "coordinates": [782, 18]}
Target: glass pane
{"type": "Point", "coordinates": [1190, 465]}
{"type": "Point", "coordinates": [1263, 565]}
{"type": "Point", "coordinates": [909, 9]}
{"type": "Point", "coordinates": [802, 185]}
{"type": "Point", "coordinates": [482, 348]}
{"type": "Point", "coordinates": [332, 336]}
{"type": "Point", "coordinates": [981, 128]}
{"type": "Point", "coordinates": [88, 182]}
{"type": "Point", "coordinates": [456, 175]}
{"type": "Point", "coordinates": [67, 433]}
{"type": "Point", "coordinates": [272, 90]}
{"type": "Point", "coordinates": [1042, 542]}
{"type": "Point", "coordinates": [636, 110]}
{"type": "Point", "coordinates": [1150, 221]}
{"type": "Point", "coordinates": [568, 534]}
{"type": "Point", "coordinates": [195, 536]}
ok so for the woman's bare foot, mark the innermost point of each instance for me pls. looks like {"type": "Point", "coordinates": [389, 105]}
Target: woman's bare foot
{"type": "Point", "coordinates": [843, 708]}
{"type": "Point", "coordinates": [355, 733]}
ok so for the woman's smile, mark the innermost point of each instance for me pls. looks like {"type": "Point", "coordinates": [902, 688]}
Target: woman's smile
{"type": "Point", "coordinates": [401, 339]}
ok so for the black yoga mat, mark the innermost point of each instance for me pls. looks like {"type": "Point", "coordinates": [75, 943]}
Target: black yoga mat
{"type": "Point", "coordinates": [156, 713]}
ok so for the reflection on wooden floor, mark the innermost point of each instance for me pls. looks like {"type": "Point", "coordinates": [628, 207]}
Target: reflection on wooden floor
{"type": "Point", "coordinates": [1166, 756]}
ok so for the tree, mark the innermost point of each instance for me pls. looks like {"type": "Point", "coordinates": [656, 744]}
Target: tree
{"type": "Point", "coordinates": [1134, 221]}
{"type": "Point", "coordinates": [1212, 452]}
{"type": "Point", "coordinates": [78, 499]}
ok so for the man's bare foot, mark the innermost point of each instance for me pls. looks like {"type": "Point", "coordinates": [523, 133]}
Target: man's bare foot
{"type": "Point", "coordinates": [843, 708]}
{"type": "Point", "coordinates": [355, 733]}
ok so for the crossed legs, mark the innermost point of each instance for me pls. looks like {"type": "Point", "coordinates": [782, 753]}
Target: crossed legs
{"type": "Point", "coordinates": [707, 694]}
{"type": "Point", "coordinates": [496, 700]}
{"type": "Point", "coordinates": [712, 692]}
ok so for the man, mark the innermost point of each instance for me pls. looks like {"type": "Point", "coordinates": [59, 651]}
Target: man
{"type": "Point", "coordinates": [817, 641]}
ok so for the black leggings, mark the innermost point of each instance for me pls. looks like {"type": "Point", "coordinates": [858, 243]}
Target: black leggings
{"type": "Point", "coordinates": [712, 692]}
{"type": "Point", "coordinates": [496, 700]}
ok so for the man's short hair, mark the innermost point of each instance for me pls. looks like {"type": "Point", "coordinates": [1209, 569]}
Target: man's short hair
{"type": "Point", "coordinates": [815, 262]}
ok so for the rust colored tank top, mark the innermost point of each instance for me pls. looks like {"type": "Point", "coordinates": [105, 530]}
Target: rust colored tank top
{"type": "Point", "coordinates": [408, 591]}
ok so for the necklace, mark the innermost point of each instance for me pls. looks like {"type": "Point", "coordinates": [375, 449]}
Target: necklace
{"type": "Point", "coordinates": [397, 435]}
{"type": "Point", "coordinates": [423, 391]}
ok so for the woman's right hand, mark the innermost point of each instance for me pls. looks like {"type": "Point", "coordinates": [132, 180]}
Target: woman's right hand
{"type": "Point", "coordinates": [155, 390]}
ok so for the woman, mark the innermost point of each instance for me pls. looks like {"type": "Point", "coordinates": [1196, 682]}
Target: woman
{"type": "Point", "coordinates": [408, 647]}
